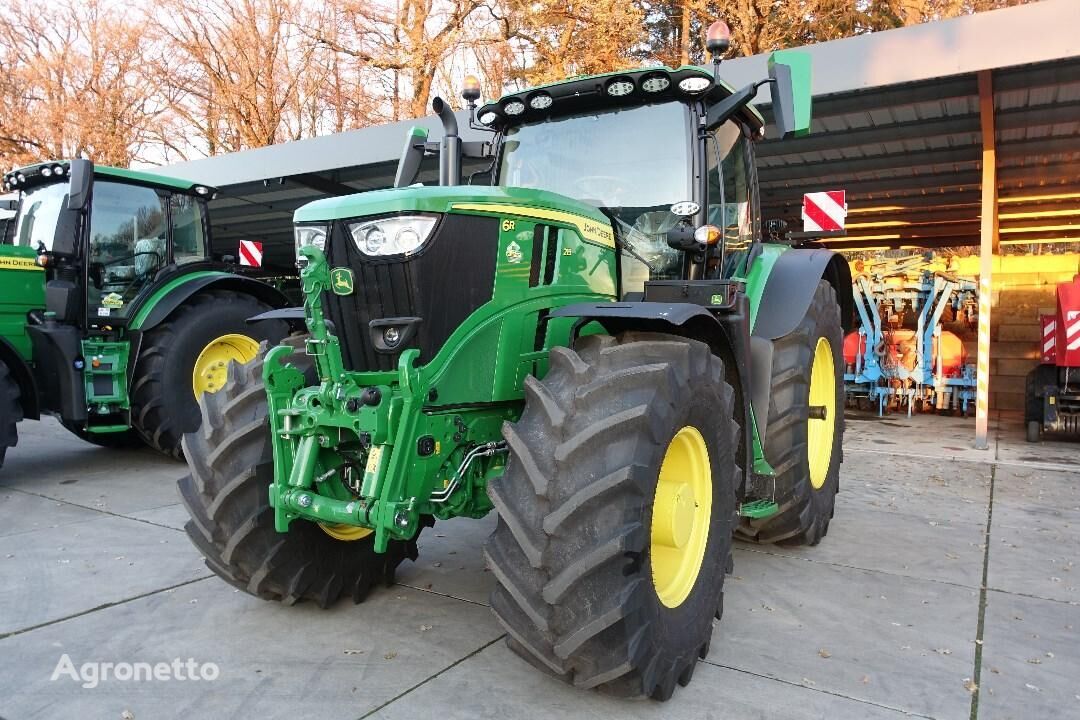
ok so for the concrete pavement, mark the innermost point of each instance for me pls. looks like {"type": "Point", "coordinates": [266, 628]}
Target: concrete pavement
{"type": "Point", "coordinates": [905, 609]}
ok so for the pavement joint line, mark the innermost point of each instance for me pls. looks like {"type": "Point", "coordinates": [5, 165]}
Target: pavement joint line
{"type": "Point", "coordinates": [103, 606]}
{"type": "Point", "coordinates": [975, 461]}
{"type": "Point", "coordinates": [440, 594]}
{"type": "Point", "coordinates": [425, 681]}
{"type": "Point", "coordinates": [812, 688]}
{"type": "Point", "coordinates": [95, 509]}
{"type": "Point", "coordinates": [862, 569]}
{"type": "Point", "coordinates": [976, 672]}
{"type": "Point", "coordinates": [1071, 603]}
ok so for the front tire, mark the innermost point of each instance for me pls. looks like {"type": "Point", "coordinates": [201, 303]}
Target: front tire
{"type": "Point", "coordinates": [10, 411]}
{"type": "Point", "coordinates": [616, 513]}
{"type": "Point", "coordinates": [232, 524]}
{"type": "Point", "coordinates": [805, 452]}
{"type": "Point", "coordinates": [170, 372]}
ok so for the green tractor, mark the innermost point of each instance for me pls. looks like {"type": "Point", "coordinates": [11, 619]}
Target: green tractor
{"type": "Point", "coordinates": [113, 316]}
{"type": "Point", "coordinates": [597, 346]}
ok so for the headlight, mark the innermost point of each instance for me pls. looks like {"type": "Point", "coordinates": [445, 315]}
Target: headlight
{"type": "Point", "coordinates": [401, 235]}
{"type": "Point", "coordinates": [309, 235]}
{"type": "Point", "coordinates": [694, 84]}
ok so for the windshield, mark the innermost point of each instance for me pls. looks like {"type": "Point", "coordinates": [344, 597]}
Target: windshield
{"type": "Point", "coordinates": [39, 211]}
{"type": "Point", "coordinates": [633, 164]}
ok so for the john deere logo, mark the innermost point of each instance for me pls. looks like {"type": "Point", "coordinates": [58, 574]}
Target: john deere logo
{"type": "Point", "coordinates": [341, 280]}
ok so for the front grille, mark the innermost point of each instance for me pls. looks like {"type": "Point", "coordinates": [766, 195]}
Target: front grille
{"type": "Point", "coordinates": [443, 284]}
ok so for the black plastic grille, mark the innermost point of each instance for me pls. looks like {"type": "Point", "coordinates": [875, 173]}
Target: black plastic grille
{"type": "Point", "coordinates": [443, 284]}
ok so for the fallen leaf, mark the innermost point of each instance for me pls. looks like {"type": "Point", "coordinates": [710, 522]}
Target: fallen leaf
{"type": "Point", "coordinates": [970, 685]}
{"type": "Point", "coordinates": [824, 653]}
{"type": "Point", "coordinates": [390, 655]}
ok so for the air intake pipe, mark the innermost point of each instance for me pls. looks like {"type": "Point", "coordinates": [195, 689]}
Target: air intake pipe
{"type": "Point", "coordinates": [450, 147]}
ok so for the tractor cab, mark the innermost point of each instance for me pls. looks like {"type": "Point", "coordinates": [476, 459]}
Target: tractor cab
{"type": "Point", "coordinates": [106, 233]}
{"type": "Point", "coordinates": [113, 316]}
{"type": "Point", "coordinates": [631, 144]}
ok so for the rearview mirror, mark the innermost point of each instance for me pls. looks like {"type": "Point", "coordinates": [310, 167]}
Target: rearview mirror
{"type": "Point", "coordinates": [411, 157]}
{"type": "Point", "coordinates": [789, 73]}
{"type": "Point", "coordinates": [81, 174]}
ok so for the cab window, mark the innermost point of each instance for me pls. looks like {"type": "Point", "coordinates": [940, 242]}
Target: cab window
{"type": "Point", "coordinates": [128, 244]}
{"type": "Point", "coordinates": [730, 201]}
{"type": "Point", "coordinates": [189, 237]}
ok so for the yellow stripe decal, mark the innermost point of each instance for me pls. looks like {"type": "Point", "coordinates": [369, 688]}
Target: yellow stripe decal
{"type": "Point", "coordinates": [589, 229]}
{"type": "Point", "coordinates": [17, 263]}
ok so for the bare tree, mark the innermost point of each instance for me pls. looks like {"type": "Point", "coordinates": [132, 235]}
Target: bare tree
{"type": "Point", "coordinates": [72, 83]}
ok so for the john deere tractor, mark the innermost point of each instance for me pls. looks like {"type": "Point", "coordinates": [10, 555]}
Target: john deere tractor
{"type": "Point", "coordinates": [113, 317]}
{"type": "Point", "coordinates": [596, 345]}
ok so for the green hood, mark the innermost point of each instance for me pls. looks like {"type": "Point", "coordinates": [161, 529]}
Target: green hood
{"type": "Point", "coordinates": [438, 199]}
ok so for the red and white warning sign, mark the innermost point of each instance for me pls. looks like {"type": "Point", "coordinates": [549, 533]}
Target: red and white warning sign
{"type": "Point", "coordinates": [1072, 330]}
{"type": "Point", "coordinates": [824, 211]}
{"type": "Point", "coordinates": [1049, 338]}
{"type": "Point", "coordinates": [251, 253]}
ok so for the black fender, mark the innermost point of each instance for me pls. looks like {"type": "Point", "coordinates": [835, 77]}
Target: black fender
{"type": "Point", "coordinates": [238, 283]}
{"type": "Point", "coordinates": [727, 334]}
{"type": "Point", "coordinates": [790, 287]}
{"type": "Point", "coordinates": [291, 314]}
{"type": "Point", "coordinates": [789, 290]}
{"type": "Point", "coordinates": [24, 378]}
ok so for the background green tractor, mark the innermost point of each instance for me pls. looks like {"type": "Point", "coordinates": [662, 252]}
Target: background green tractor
{"type": "Point", "coordinates": [597, 345]}
{"type": "Point", "coordinates": [113, 317]}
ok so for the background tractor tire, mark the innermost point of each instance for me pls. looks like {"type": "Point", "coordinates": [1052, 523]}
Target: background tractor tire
{"type": "Point", "coordinates": [163, 402]}
{"type": "Point", "coordinates": [804, 510]}
{"type": "Point", "coordinates": [574, 554]}
{"type": "Point", "coordinates": [125, 440]}
{"type": "Point", "coordinates": [232, 524]}
{"type": "Point", "coordinates": [10, 411]}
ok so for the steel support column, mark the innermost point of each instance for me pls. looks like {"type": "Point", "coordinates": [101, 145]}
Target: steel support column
{"type": "Point", "coordinates": [988, 245]}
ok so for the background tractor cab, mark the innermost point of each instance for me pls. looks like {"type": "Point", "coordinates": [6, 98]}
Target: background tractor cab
{"type": "Point", "coordinates": [114, 315]}
{"type": "Point", "coordinates": [597, 346]}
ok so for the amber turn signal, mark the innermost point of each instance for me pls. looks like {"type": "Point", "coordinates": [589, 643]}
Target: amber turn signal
{"type": "Point", "coordinates": [707, 234]}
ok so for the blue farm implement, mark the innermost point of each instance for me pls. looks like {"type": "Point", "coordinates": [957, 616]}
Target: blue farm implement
{"type": "Point", "coordinates": [901, 357]}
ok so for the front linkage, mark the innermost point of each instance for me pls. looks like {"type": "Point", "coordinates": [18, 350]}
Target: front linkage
{"type": "Point", "coordinates": [368, 450]}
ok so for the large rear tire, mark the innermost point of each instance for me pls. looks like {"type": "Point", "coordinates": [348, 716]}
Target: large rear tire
{"type": "Point", "coordinates": [616, 513]}
{"type": "Point", "coordinates": [10, 411]}
{"type": "Point", "coordinates": [173, 367]}
{"type": "Point", "coordinates": [805, 452]}
{"type": "Point", "coordinates": [232, 524]}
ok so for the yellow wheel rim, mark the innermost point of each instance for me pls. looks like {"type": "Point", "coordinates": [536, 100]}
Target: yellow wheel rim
{"type": "Point", "coordinates": [820, 431]}
{"type": "Point", "coordinates": [682, 509]}
{"type": "Point", "coordinates": [212, 366]}
{"type": "Point", "coordinates": [348, 533]}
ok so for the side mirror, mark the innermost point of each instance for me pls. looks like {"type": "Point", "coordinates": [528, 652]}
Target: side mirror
{"type": "Point", "coordinates": [411, 157]}
{"type": "Point", "coordinates": [66, 233]}
{"type": "Point", "coordinates": [789, 73]}
{"type": "Point", "coordinates": [81, 174]}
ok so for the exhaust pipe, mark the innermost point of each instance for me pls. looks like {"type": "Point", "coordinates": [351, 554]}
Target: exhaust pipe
{"type": "Point", "coordinates": [450, 147]}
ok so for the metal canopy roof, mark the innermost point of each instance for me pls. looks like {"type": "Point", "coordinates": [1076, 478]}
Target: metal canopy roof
{"type": "Point", "coordinates": [896, 124]}
{"type": "Point", "coordinates": [910, 158]}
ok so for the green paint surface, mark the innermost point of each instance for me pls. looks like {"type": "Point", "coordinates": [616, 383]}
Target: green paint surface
{"type": "Point", "coordinates": [22, 288]}
{"type": "Point", "coordinates": [160, 293]}
{"type": "Point", "coordinates": [437, 200]}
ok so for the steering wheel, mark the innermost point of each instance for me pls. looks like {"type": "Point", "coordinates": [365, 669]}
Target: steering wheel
{"type": "Point", "coordinates": [159, 261]}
